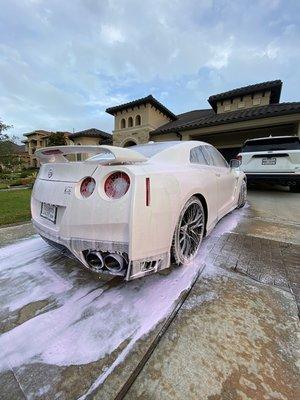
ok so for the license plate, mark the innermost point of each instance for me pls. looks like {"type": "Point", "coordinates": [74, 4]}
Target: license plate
{"type": "Point", "coordinates": [268, 161]}
{"type": "Point", "coordinates": [49, 212]}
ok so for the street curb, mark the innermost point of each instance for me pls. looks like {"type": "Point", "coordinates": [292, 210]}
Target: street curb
{"type": "Point", "coordinates": [15, 224]}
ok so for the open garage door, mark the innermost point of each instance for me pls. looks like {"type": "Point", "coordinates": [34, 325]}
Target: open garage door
{"type": "Point", "coordinates": [230, 153]}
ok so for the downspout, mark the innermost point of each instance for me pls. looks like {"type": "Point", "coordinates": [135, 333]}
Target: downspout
{"type": "Point", "coordinates": [179, 135]}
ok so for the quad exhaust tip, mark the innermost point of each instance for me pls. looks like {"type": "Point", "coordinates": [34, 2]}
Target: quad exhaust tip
{"type": "Point", "coordinates": [95, 260]}
{"type": "Point", "coordinates": [114, 262]}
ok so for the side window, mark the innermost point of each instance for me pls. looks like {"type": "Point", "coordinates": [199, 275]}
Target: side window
{"type": "Point", "coordinates": [217, 158]}
{"type": "Point", "coordinates": [197, 156]}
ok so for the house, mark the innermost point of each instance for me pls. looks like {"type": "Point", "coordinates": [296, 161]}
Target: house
{"type": "Point", "coordinates": [39, 138]}
{"type": "Point", "coordinates": [36, 140]}
{"type": "Point", "coordinates": [90, 136]}
{"type": "Point", "coordinates": [233, 116]}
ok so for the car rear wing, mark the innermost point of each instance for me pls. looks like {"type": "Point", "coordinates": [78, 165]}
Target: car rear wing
{"type": "Point", "coordinates": [101, 154]}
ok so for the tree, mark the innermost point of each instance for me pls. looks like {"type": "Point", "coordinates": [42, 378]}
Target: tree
{"type": "Point", "coordinates": [57, 139]}
{"type": "Point", "coordinates": [3, 128]}
{"type": "Point", "coordinates": [8, 156]}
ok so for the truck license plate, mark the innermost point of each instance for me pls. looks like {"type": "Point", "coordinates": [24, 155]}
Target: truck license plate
{"type": "Point", "coordinates": [268, 161]}
{"type": "Point", "coordinates": [49, 212]}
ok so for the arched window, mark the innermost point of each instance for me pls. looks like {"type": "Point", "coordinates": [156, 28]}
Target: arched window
{"type": "Point", "coordinates": [138, 120]}
{"type": "Point", "coordinates": [130, 121]}
{"type": "Point", "coordinates": [123, 123]}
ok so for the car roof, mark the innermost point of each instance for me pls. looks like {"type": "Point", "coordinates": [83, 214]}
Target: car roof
{"type": "Point", "coordinates": [173, 151]}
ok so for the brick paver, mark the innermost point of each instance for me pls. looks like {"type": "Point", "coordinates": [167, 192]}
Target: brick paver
{"type": "Point", "coordinates": [267, 261]}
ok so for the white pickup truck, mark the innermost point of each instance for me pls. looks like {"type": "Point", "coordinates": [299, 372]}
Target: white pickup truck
{"type": "Point", "coordinates": [272, 159]}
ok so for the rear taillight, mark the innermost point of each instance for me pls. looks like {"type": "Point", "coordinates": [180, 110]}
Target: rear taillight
{"type": "Point", "coordinates": [147, 192]}
{"type": "Point", "coordinates": [87, 186]}
{"type": "Point", "coordinates": [239, 157]}
{"type": "Point", "coordinates": [116, 185]}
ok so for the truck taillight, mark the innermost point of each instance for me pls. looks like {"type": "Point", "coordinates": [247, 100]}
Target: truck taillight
{"type": "Point", "coordinates": [116, 185]}
{"type": "Point", "coordinates": [87, 186]}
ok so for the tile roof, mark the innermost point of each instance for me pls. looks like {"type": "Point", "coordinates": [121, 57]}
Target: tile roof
{"type": "Point", "coordinates": [202, 118]}
{"type": "Point", "coordinates": [92, 132]}
{"type": "Point", "coordinates": [273, 86]}
{"type": "Point", "coordinates": [144, 100]}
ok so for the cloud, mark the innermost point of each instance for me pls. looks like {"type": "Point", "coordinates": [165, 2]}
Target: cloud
{"type": "Point", "coordinates": [63, 63]}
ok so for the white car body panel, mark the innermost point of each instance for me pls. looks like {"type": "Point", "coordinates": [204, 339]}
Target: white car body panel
{"type": "Point", "coordinates": [127, 225]}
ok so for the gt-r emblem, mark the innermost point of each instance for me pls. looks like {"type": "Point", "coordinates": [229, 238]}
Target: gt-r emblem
{"type": "Point", "coordinates": [50, 173]}
{"type": "Point", "coordinates": [68, 190]}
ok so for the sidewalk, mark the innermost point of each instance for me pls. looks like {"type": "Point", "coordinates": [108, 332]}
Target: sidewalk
{"type": "Point", "coordinates": [14, 232]}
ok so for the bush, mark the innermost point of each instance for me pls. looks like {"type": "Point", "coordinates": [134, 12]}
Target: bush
{"type": "Point", "coordinates": [28, 180]}
{"type": "Point", "coordinates": [15, 182]}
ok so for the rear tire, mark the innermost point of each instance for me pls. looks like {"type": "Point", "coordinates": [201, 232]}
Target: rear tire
{"type": "Point", "coordinates": [243, 195]}
{"type": "Point", "coordinates": [295, 188]}
{"type": "Point", "coordinates": [189, 231]}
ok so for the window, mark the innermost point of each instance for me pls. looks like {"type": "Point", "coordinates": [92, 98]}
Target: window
{"type": "Point", "coordinates": [273, 143]}
{"type": "Point", "coordinates": [123, 123]}
{"type": "Point", "coordinates": [197, 156]}
{"type": "Point", "coordinates": [138, 120]}
{"type": "Point", "coordinates": [79, 155]}
{"type": "Point", "coordinates": [130, 121]}
{"type": "Point", "coordinates": [216, 157]}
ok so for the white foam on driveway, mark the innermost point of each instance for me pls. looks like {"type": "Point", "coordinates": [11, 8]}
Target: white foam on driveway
{"type": "Point", "coordinates": [91, 322]}
{"type": "Point", "coordinates": [91, 319]}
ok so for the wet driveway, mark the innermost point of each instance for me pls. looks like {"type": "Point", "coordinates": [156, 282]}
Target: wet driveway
{"type": "Point", "coordinates": [67, 335]}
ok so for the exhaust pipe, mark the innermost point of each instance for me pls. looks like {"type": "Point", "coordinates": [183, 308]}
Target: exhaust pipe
{"type": "Point", "coordinates": [95, 260]}
{"type": "Point", "coordinates": [114, 262]}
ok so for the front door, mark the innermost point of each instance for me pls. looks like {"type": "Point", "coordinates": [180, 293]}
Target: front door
{"type": "Point", "coordinates": [227, 181]}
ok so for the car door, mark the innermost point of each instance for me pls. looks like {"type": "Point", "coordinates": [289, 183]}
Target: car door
{"type": "Point", "coordinates": [227, 181]}
{"type": "Point", "coordinates": [208, 178]}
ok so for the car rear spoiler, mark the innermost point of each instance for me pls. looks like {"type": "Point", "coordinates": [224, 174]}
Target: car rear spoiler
{"type": "Point", "coordinates": [110, 154]}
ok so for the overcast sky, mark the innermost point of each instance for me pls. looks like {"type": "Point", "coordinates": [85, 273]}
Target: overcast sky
{"type": "Point", "coordinates": [62, 63]}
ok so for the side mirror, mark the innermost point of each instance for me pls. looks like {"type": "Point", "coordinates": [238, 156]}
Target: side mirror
{"type": "Point", "coordinates": [235, 163]}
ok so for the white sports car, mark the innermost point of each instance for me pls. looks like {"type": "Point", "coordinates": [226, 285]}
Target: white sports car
{"type": "Point", "coordinates": [130, 211]}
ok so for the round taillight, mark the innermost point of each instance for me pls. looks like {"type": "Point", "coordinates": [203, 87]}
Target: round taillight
{"type": "Point", "coordinates": [87, 186]}
{"type": "Point", "coordinates": [116, 185]}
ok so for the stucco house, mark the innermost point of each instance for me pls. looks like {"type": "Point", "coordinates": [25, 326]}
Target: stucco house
{"type": "Point", "coordinates": [234, 116]}
{"type": "Point", "coordinates": [39, 138]}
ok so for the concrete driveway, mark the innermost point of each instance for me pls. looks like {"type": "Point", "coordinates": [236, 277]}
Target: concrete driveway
{"type": "Point", "coordinates": [223, 327]}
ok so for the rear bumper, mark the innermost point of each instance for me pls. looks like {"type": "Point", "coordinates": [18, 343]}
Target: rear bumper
{"type": "Point", "coordinates": [283, 178]}
{"type": "Point", "coordinates": [76, 247]}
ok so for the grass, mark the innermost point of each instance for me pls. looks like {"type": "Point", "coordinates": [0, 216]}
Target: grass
{"type": "Point", "coordinates": [14, 206]}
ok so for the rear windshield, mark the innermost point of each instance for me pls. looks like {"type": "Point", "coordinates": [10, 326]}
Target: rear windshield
{"type": "Point", "coordinates": [288, 143]}
{"type": "Point", "coordinates": [150, 149]}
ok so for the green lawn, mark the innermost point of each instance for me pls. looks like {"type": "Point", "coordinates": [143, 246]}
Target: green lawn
{"type": "Point", "coordinates": [14, 206]}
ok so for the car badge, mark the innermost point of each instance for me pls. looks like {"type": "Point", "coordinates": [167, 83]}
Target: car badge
{"type": "Point", "coordinates": [68, 190]}
{"type": "Point", "coordinates": [50, 173]}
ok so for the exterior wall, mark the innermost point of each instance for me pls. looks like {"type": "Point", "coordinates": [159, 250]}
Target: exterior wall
{"type": "Point", "coordinates": [34, 142]}
{"type": "Point", "coordinates": [238, 103]}
{"type": "Point", "coordinates": [151, 119]}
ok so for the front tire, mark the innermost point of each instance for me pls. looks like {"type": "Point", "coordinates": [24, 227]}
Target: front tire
{"type": "Point", "coordinates": [243, 195]}
{"type": "Point", "coordinates": [189, 231]}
